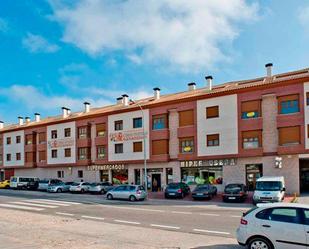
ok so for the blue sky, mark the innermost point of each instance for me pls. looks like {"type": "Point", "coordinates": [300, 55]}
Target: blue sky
{"type": "Point", "coordinates": [60, 53]}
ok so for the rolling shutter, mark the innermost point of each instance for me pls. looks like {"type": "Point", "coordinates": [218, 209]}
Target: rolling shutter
{"type": "Point", "coordinates": [186, 118]}
{"type": "Point", "coordinates": [289, 135]}
{"type": "Point", "coordinates": [160, 147]}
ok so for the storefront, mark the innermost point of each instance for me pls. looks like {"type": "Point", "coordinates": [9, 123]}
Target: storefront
{"type": "Point", "coordinates": [114, 173]}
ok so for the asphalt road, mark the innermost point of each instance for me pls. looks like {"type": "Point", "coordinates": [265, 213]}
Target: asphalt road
{"type": "Point", "coordinates": [207, 218]}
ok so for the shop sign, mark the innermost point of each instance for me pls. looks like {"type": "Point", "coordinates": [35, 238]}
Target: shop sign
{"type": "Point", "coordinates": [126, 136]}
{"type": "Point", "coordinates": [59, 143]}
{"type": "Point", "coordinates": [106, 167]}
{"type": "Point", "coordinates": [207, 163]}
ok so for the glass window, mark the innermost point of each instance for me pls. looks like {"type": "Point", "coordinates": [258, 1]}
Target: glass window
{"type": "Point", "coordinates": [80, 174]}
{"type": "Point", "coordinates": [8, 157]}
{"type": "Point", "coordinates": [101, 152]}
{"type": "Point", "coordinates": [306, 216]}
{"type": "Point", "coordinates": [118, 148]}
{"type": "Point", "coordinates": [67, 152]}
{"type": "Point", "coordinates": [83, 153]}
{"type": "Point", "coordinates": [137, 146]}
{"type": "Point", "coordinates": [118, 125]}
{"type": "Point", "coordinates": [251, 143]}
{"type": "Point", "coordinates": [29, 139]}
{"type": "Point", "coordinates": [100, 130]}
{"type": "Point", "coordinates": [289, 106]}
{"type": "Point", "coordinates": [8, 140]}
{"type": "Point", "coordinates": [202, 175]}
{"type": "Point", "coordinates": [18, 156]}
{"type": "Point", "coordinates": [212, 112]}
{"type": "Point", "coordinates": [251, 109]}
{"type": "Point", "coordinates": [67, 132]}
{"type": "Point", "coordinates": [18, 139]}
{"type": "Point", "coordinates": [213, 140]}
{"type": "Point", "coordinates": [42, 138]}
{"type": "Point", "coordinates": [83, 132]}
{"type": "Point", "coordinates": [54, 153]}
{"type": "Point", "coordinates": [307, 98]}
{"type": "Point", "coordinates": [120, 176]}
{"type": "Point", "coordinates": [60, 174]}
{"type": "Point", "coordinates": [289, 215]}
{"type": "Point", "coordinates": [54, 134]}
{"type": "Point", "coordinates": [268, 186]}
{"type": "Point", "coordinates": [159, 122]}
{"type": "Point", "coordinates": [187, 145]}
{"type": "Point", "coordinates": [169, 175]}
{"type": "Point", "coordinates": [137, 122]}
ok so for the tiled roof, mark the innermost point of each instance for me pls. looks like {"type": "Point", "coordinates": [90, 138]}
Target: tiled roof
{"type": "Point", "coordinates": [221, 88]}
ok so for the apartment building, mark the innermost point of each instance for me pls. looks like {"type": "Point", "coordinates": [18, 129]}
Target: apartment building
{"type": "Point", "coordinates": [231, 132]}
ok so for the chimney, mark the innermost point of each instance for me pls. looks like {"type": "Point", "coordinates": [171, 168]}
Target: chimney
{"type": "Point", "coordinates": [27, 119]}
{"type": "Point", "coordinates": [125, 101]}
{"type": "Point", "coordinates": [64, 112]}
{"type": "Point", "coordinates": [1, 125]}
{"type": "Point", "coordinates": [119, 100]}
{"type": "Point", "coordinates": [20, 120]}
{"type": "Point", "coordinates": [37, 117]}
{"type": "Point", "coordinates": [191, 86]}
{"type": "Point", "coordinates": [156, 92]}
{"type": "Point", "coordinates": [209, 82]}
{"type": "Point", "coordinates": [87, 107]}
{"type": "Point", "coordinates": [269, 67]}
{"type": "Point", "coordinates": [69, 111]}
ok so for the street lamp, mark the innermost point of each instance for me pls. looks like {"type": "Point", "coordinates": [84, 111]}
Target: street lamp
{"type": "Point", "coordinates": [144, 143]}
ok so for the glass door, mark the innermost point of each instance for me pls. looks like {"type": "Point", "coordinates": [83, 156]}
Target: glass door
{"type": "Point", "coordinates": [253, 172]}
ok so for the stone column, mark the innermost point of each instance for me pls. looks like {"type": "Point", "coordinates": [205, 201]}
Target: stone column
{"type": "Point", "coordinates": [173, 121]}
{"type": "Point", "coordinates": [93, 147]}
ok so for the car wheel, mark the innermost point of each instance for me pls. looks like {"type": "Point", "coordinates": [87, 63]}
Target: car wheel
{"type": "Point", "coordinates": [132, 198]}
{"type": "Point", "coordinates": [59, 190]}
{"type": "Point", "coordinates": [110, 197]}
{"type": "Point", "coordinates": [260, 243]}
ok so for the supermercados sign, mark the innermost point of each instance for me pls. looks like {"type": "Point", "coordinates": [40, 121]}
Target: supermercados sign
{"type": "Point", "coordinates": [59, 143]}
{"type": "Point", "coordinates": [208, 163]}
{"type": "Point", "coordinates": [106, 167]}
{"type": "Point", "coordinates": [126, 135]}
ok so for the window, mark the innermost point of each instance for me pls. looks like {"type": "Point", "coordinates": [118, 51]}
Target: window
{"type": "Point", "coordinates": [101, 152]}
{"type": "Point", "coordinates": [42, 137]}
{"type": "Point", "coordinates": [118, 125]}
{"type": "Point", "coordinates": [118, 148]}
{"type": "Point", "coordinates": [8, 157]}
{"type": "Point", "coordinates": [60, 174]}
{"type": "Point", "coordinates": [251, 109]}
{"type": "Point", "coordinates": [42, 156]}
{"type": "Point", "coordinates": [186, 118]}
{"type": "Point", "coordinates": [8, 140]}
{"type": "Point", "coordinates": [18, 156]}
{"type": "Point", "coordinates": [29, 157]}
{"type": "Point", "coordinates": [288, 104]}
{"type": "Point", "coordinates": [83, 153]}
{"type": "Point", "coordinates": [307, 98]}
{"type": "Point", "coordinates": [54, 153]}
{"type": "Point", "coordinates": [159, 122]}
{"type": "Point", "coordinates": [80, 174]}
{"type": "Point", "coordinates": [137, 146]}
{"type": "Point", "coordinates": [100, 130]}
{"type": "Point", "coordinates": [54, 134]}
{"type": "Point", "coordinates": [251, 139]}
{"type": "Point", "coordinates": [29, 139]}
{"type": "Point", "coordinates": [213, 140]}
{"type": "Point", "coordinates": [289, 135]}
{"type": "Point", "coordinates": [67, 152]}
{"type": "Point", "coordinates": [137, 122]}
{"type": "Point", "coordinates": [288, 215]}
{"type": "Point", "coordinates": [67, 132]}
{"type": "Point", "coordinates": [18, 139]}
{"type": "Point", "coordinates": [212, 112]}
{"type": "Point", "coordinates": [186, 145]}
{"type": "Point", "coordinates": [306, 216]}
{"type": "Point", "coordinates": [82, 132]}
{"type": "Point", "coordinates": [160, 147]}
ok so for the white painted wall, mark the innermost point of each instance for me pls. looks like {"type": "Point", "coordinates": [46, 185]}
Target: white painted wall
{"type": "Point", "coordinates": [60, 138]}
{"type": "Point", "coordinates": [225, 125]}
{"type": "Point", "coordinates": [306, 113]}
{"type": "Point", "coordinates": [128, 153]}
{"type": "Point", "coordinates": [14, 148]}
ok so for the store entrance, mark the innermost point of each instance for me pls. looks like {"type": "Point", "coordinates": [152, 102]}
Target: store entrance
{"type": "Point", "coordinates": [155, 182]}
{"type": "Point", "coordinates": [253, 172]}
{"type": "Point", "coordinates": [304, 175]}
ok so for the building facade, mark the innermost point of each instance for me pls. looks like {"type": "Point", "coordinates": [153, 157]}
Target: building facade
{"type": "Point", "coordinates": [233, 132]}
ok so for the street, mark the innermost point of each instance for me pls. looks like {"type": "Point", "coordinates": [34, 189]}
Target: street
{"type": "Point", "coordinates": [206, 220]}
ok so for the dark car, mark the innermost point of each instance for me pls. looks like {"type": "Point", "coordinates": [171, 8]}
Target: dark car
{"type": "Point", "coordinates": [176, 190]}
{"type": "Point", "coordinates": [204, 191]}
{"type": "Point", "coordinates": [235, 192]}
{"type": "Point", "coordinates": [33, 184]}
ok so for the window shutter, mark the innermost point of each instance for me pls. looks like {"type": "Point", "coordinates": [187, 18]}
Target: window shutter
{"type": "Point", "coordinates": [160, 147]}
{"type": "Point", "coordinates": [186, 118]}
{"type": "Point", "coordinates": [138, 146]}
{"type": "Point", "coordinates": [250, 106]}
{"type": "Point", "coordinates": [212, 112]}
{"type": "Point", "coordinates": [289, 135]}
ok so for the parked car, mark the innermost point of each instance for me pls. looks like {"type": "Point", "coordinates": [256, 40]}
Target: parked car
{"type": "Point", "coordinates": [59, 187]}
{"type": "Point", "coordinates": [22, 182]}
{"type": "Point", "coordinates": [176, 190]}
{"type": "Point", "coordinates": [235, 192]}
{"type": "Point", "coordinates": [80, 187]}
{"type": "Point", "coordinates": [204, 191]}
{"type": "Point", "coordinates": [33, 184]}
{"type": "Point", "coordinates": [5, 184]}
{"type": "Point", "coordinates": [269, 189]}
{"type": "Point", "coordinates": [100, 188]}
{"type": "Point", "coordinates": [45, 183]}
{"type": "Point", "coordinates": [275, 226]}
{"type": "Point", "coordinates": [127, 192]}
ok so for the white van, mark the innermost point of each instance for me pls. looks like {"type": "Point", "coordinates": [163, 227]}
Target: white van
{"type": "Point", "coordinates": [21, 182]}
{"type": "Point", "coordinates": [269, 189]}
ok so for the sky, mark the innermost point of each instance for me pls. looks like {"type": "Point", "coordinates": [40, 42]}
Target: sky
{"type": "Point", "coordinates": [56, 53]}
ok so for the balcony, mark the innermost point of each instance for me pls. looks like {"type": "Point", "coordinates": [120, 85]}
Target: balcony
{"type": "Point", "coordinates": [160, 158]}
{"type": "Point", "coordinates": [30, 147]}
{"type": "Point", "coordinates": [101, 140]}
{"type": "Point", "coordinates": [291, 149]}
{"type": "Point", "coordinates": [251, 124]}
{"type": "Point", "coordinates": [291, 119]}
{"type": "Point", "coordinates": [186, 131]}
{"type": "Point", "coordinates": [84, 142]}
{"type": "Point", "coordinates": [160, 134]}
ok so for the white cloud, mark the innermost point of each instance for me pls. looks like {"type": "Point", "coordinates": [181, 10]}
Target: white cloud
{"type": "Point", "coordinates": [37, 43]}
{"type": "Point", "coordinates": [304, 17]}
{"type": "Point", "coordinates": [186, 34]}
{"type": "Point", "coordinates": [3, 25]}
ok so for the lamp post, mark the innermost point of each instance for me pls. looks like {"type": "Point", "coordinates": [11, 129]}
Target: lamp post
{"type": "Point", "coordinates": [144, 144]}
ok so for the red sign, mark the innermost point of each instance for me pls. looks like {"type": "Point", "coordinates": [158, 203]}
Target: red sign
{"type": "Point", "coordinates": [60, 143]}
{"type": "Point", "coordinates": [125, 136]}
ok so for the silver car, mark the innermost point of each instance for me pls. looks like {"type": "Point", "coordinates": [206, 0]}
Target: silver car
{"type": "Point", "coordinates": [45, 183]}
{"type": "Point", "coordinates": [80, 187]}
{"type": "Point", "coordinates": [59, 187]}
{"type": "Point", "coordinates": [100, 188]}
{"type": "Point", "coordinates": [127, 192]}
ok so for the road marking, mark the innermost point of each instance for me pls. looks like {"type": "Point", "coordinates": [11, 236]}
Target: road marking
{"type": "Point", "coordinates": [164, 226]}
{"type": "Point", "coordinates": [92, 217]}
{"type": "Point", "coordinates": [21, 207]}
{"type": "Point", "coordinates": [44, 202]}
{"type": "Point", "coordinates": [128, 222]}
{"type": "Point", "coordinates": [64, 202]}
{"type": "Point", "coordinates": [33, 204]}
{"type": "Point", "coordinates": [210, 231]}
{"type": "Point", "coordinates": [180, 212]}
{"type": "Point", "coordinates": [66, 214]}
{"type": "Point", "coordinates": [206, 214]}
{"type": "Point", "coordinates": [235, 216]}
{"type": "Point", "coordinates": [137, 209]}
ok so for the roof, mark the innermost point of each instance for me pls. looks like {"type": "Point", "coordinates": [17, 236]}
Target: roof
{"type": "Point", "coordinates": [225, 88]}
{"type": "Point", "coordinates": [282, 204]}
{"type": "Point", "coordinates": [270, 178]}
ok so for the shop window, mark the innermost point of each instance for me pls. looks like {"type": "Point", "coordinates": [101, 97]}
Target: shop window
{"type": "Point", "coordinates": [137, 122]}
{"type": "Point", "coordinates": [83, 132]}
{"type": "Point", "coordinates": [8, 140]}
{"type": "Point", "coordinates": [60, 174]}
{"type": "Point", "coordinates": [120, 176]}
{"type": "Point", "coordinates": [100, 128]}
{"type": "Point", "coordinates": [251, 109]}
{"type": "Point", "coordinates": [159, 122]}
{"type": "Point", "coordinates": [213, 140]}
{"type": "Point", "coordinates": [137, 146]}
{"type": "Point", "coordinates": [118, 148]}
{"type": "Point", "coordinates": [289, 135]}
{"type": "Point", "coordinates": [8, 157]}
{"type": "Point", "coordinates": [186, 145]}
{"type": "Point", "coordinates": [67, 132]}
{"type": "Point", "coordinates": [42, 138]}
{"type": "Point", "coordinates": [118, 125]}
{"type": "Point", "coordinates": [160, 147]}
{"type": "Point", "coordinates": [54, 153]}
{"type": "Point", "coordinates": [67, 152]}
{"type": "Point", "coordinates": [101, 152]}
{"type": "Point", "coordinates": [104, 175]}
{"type": "Point", "coordinates": [83, 153]}
{"type": "Point", "coordinates": [29, 139]}
{"type": "Point", "coordinates": [202, 175]}
{"type": "Point", "coordinates": [186, 118]}
{"type": "Point", "coordinates": [169, 175]}
{"type": "Point", "coordinates": [288, 104]}
{"type": "Point", "coordinates": [54, 134]}
{"type": "Point", "coordinates": [212, 112]}
{"type": "Point", "coordinates": [251, 139]}
{"type": "Point", "coordinates": [42, 156]}
{"type": "Point", "coordinates": [18, 139]}
{"type": "Point", "coordinates": [80, 174]}
{"type": "Point", "coordinates": [137, 176]}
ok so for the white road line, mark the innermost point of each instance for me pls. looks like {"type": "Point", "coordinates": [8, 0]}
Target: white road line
{"type": "Point", "coordinates": [128, 222]}
{"type": "Point", "coordinates": [44, 202]}
{"type": "Point", "coordinates": [21, 207]}
{"type": "Point", "coordinates": [92, 217]}
{"type": "Point", "coordinates": [210, 231]}
{"type": "Point", "coordinates": [66, 214]}
{"type": "Point", "coordinates": [137, 209]}
{"type": "Point", "coordinates": [180, 212]}
{"type": "Point", "coordinates": [64, 202]}
{"type": "Point", "coordinates": [33, 204]}
{"type": "Point", "coordinates": [164, 226]}
{"type": "Point", "coordinates": [207, 214]}
{"type": "Point", "coordinates": [235, 216]}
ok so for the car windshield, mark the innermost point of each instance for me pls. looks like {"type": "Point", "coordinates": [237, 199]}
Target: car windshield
{"type": "Point", "coordinates": [173, 186]}
{"type": "Point", "coordinates": [94, 184]}
{"type": "Point", "coordinates": [69, 183]}
{"type": "Point", "coordinates": [201, 188]}
{"type": "Point", "coordinates": [234, 187]}
{"type": "Point", "coordinates": [43, 181]}
{"type": "Point", "coordinates": [14, 179]}
{"type": "Point", "coordinates": [75, 184]}
{"type": "Point", "coordinates": [268, 186]}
